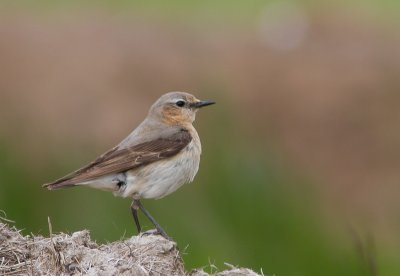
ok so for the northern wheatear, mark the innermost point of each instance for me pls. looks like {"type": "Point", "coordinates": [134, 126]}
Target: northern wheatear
{"type": "Point", "coordinates": [157, 158]}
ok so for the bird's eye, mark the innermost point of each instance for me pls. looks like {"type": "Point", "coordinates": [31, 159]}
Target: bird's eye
{"type": "Point", "coordinates": [180, 103]}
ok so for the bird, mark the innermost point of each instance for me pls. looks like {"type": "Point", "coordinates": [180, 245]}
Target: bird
{"type": "Point", "coordinates": [159, 156]}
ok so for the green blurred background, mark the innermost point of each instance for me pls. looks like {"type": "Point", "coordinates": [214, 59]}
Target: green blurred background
{"type": "Point", "coordinates": [300, 168]}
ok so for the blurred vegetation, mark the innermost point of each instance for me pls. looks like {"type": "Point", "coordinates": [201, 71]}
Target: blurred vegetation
{"type": "Point", "coordinates": [202, 12]}
{"type": "Point", "coordinates": [240, 210]}
{"type": "Point", "coordinates": [299, 142]}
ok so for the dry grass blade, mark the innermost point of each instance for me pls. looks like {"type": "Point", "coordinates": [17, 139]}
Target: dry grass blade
{"type": "Point", "coordinates": [3, 217]}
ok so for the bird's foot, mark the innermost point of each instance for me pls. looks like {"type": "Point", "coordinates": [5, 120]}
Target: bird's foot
{"type": "Point", "coordinates": [149, 232]}
{"type": "Point", "coordinates": [156, 232]}
{"type": "Point", "coordinates": [161, 232]}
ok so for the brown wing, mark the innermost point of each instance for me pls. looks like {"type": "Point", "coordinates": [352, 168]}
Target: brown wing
{"type": "Point", "coordinates": [120, 160]}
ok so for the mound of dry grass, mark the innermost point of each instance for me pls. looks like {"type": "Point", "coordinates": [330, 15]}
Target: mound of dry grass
{"type": "Point", "coordinates": [77, 254]}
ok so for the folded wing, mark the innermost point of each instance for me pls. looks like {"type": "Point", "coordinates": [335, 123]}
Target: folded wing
{"type": "Point", "coordinates": [120, 160]}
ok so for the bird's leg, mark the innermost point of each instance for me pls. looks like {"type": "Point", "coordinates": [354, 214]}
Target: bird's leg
{"type": "Point", "coordinates": [134, 209]}
{"type": "Point", "coordinates": [147, 214]}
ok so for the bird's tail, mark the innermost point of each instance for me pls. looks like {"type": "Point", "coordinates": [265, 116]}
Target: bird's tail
{"type": "Point", "coordinates": [59, 184]}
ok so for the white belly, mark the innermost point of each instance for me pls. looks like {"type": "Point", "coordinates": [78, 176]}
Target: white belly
{"type": "Point", "coordinates": [161, 178]}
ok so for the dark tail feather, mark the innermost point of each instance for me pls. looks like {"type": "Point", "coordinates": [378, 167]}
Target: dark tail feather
{"type": "Point", "coordinates": [61, 184]}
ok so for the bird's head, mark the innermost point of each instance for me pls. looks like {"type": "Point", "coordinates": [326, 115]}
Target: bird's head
{"type": "Point", "coordinates": [177, 108]}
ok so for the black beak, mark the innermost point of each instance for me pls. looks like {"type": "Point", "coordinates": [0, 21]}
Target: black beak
{"type": "Point", "coordinates": [202, 104]}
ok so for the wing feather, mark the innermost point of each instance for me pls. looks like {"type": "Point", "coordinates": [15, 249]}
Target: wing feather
{"type": "Point", "coordinates": [119, 160]}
